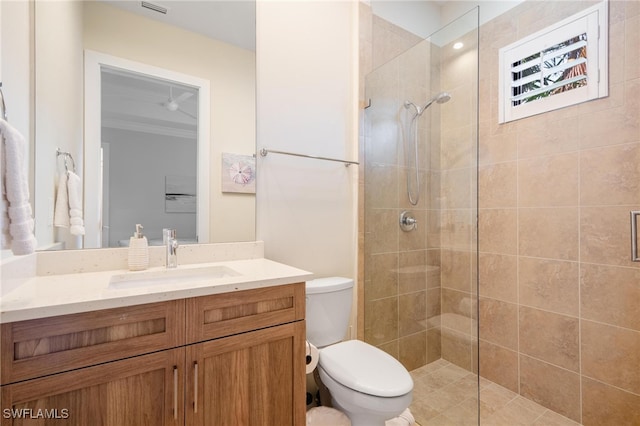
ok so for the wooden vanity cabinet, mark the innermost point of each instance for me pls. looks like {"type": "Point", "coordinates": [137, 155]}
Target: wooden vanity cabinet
{"type": "Point", "coordinates": [229, 359]}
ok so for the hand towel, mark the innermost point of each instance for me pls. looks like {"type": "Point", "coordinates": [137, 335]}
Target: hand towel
{"type": "Point", "coordinates": [16, 192]}
{"type": "Point", "coordinates": [74, 187]}
{"type": "Point", "coordinates": [61, 211]}
{"type": "Point", "coordinates": [5, 237]}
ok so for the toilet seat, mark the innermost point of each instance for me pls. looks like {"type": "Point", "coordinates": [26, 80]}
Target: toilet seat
{"type": "Point", "coordinates": [366, 369]}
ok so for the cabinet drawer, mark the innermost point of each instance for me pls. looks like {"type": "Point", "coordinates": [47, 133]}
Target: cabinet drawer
{"type": "Point", "coordinates": [44, 346]}
{"type": "Point", "coordinates": [225, 314]}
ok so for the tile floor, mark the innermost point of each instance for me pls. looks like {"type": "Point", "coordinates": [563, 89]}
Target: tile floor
{"type": "Point", "coordinates": [445, 394]}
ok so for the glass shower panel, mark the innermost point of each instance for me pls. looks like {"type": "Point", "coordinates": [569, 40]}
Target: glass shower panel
{"type": "Point", "coordinates": [420, 159]}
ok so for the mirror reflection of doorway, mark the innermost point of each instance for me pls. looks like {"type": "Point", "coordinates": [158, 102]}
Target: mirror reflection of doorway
{"type": "Point", "coordinates": [149, 152]}
{"type": "Point", "coordinates": [153, 131]}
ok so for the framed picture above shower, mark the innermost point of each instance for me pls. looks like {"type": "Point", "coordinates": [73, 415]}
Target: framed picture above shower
{"type": "Point", "coordinates": [238, 173]}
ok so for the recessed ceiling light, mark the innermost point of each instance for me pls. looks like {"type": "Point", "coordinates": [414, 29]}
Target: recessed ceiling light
{"type": "Point", "coordinates": [458, 45]}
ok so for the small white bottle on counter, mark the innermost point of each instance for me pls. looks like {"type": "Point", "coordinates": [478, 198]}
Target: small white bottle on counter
{"type": "Point", "coordinates": [138, 251]}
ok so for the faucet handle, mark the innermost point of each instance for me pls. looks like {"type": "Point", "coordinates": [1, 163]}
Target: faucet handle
{"type": "Point", "coordinates": [168, 233]}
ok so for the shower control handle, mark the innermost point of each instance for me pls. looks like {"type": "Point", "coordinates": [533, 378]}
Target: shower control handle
{"type": "Point", "coordinates": [407, 221]}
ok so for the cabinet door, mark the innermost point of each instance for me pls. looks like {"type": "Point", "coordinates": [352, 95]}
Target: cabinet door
{"type": "Point", "coordinates": [139, 391]}
{"type": "Point", "coordinates": [254, 378]}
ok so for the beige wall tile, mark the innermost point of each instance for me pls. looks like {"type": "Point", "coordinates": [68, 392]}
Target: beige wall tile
{"type": "Point", "coordinates": [433, 268]}
{"type": "Point", "coordinates": [411, 271]}
{"type": "Point", "coordinates": [499, 322]}
{"type": "Point", "coordinates": [381, 321]}
{"type": "Point", "coordinates": [498, 276]}
{"type": "Point", "coordinates": [611, 295]}
{"type": "Point", "coordinates": [456, 188]}
{"type": "Point", "coordinates": [412, 313]}
{"type": "Point", "coordinates": [496, 148]}
{"type": "Point", "coordinates": [381, 233]}
{"type": "Point", "coordinates": [616, 52]}
{"type": "Point", "coordinates": [456, 269]}
{"type": "Point", "coordinates": [456, 228]}
{"type": "Point", "coordinates": [381, 186]}
{"type": "Point", "coordinates": [550, 181]}
{"type": "Point", "coordinates": [381, 276]}
{"type": "Point", "coordinates": [605, 405]}
{"type": "Point", "coordinates": [498, 185]}
{"type": "Point", "coordinates": [498, 231]}
{"type": "Point", "coordinates": [391, 348]}
{"type": "Point", "coordinates": [457, 311]}
{"type": "Point", "coordinates": [550, 337]}
{"type": "Point", "coordinates": [550, 386]}
{"type": "Point", "coordinates": [632, 44]}
{"type": "Point", "coordinates": [434, 307]}
{"type": "Point", "coordinates": [412, 350]}
{"type": "Point", "coordinates": [632, 9]}
{"type": "Point", "coordinates": [499, 364]}
{"type": "Point", "coordinates": [434, 345]}
{"type": "Point", "coordinates": [547, 284]}
{"type": "Point", "coordinates": [609, 127]}
{"type": "Point", "coordinates": [546, 135]}
{"type": "Point", "coordinates": [460, 147]}
{"type": "Point", "coordinates": [548, 232]}
{"type": "Point", "coordinates": [610, 175]}
{"type": "Point", "coordinates": [611, 355]}
{"type": "Point", "coordinates": [457, 348]}
{"type": "Point", "coordinates": [605, 235]}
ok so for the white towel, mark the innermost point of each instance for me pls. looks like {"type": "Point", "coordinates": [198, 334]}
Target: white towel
{"type": "Point", "coordinates": [74, 188]}
{"type": "Point", "coordinates": [15, 194]}
{"type": "Point", "coordinates": [61, 212]}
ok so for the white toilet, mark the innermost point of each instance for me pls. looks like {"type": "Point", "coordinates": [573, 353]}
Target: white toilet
{"type": "Point", "coordinates": [367, 384]}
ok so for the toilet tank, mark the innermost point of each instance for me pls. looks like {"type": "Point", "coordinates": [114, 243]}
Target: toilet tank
{"type": "Point", "coordinates": [328, 304]}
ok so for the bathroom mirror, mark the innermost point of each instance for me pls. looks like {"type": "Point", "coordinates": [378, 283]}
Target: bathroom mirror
{"type": "Point", "coordinates": [213, 41]}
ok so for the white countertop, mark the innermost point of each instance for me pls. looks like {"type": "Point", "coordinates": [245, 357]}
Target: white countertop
{"type": "Point", "coordinates": [51, 295]}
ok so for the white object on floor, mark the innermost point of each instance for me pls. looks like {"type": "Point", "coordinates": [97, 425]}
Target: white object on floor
{"type": "Point", "coordinates": [404, 419]}
{"type": "Point", "coordinates": [326, 416]}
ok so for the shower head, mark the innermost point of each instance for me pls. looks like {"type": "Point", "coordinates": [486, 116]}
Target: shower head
{"type": "Point", "coordinates": [440, 98]}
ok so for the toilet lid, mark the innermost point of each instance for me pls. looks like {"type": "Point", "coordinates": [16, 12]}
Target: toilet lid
{"type": "Point", "coordinates": [365, 368]}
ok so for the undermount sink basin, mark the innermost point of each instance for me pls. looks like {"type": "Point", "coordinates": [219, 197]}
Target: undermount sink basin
{"type": "Point", "coordinates": [168, 276]}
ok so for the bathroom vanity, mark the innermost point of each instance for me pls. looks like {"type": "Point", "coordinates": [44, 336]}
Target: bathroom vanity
{"type": "Point", "coordinates": [232, 356]}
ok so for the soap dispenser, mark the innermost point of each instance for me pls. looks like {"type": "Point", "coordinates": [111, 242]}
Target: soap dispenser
{"type": "Point", "coordinates": [138, 251]}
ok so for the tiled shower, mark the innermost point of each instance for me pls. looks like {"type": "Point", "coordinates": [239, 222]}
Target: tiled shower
{"type": "Point", "coordinates": [557, 304]}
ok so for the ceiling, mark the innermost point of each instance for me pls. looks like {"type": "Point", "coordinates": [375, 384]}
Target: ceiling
{"type": "Point", "coordinates": [231, 21]}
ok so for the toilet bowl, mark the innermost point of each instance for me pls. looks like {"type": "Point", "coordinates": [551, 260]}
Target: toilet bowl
{"type": "Point", "coordinates": [366, 383]}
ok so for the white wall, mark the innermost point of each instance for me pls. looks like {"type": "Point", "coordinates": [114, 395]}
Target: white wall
{"type": "Point", "coordinates": [307, 98]}
{"type": "Point", "coordinates": [58, 108]}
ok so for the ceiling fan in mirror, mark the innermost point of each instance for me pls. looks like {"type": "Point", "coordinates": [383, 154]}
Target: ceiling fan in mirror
{"type": "Point", "coordinates": [173, 104]}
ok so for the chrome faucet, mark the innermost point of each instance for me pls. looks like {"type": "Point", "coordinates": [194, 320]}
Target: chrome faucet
{"type": "Point", "coordinates": [171, 245]}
